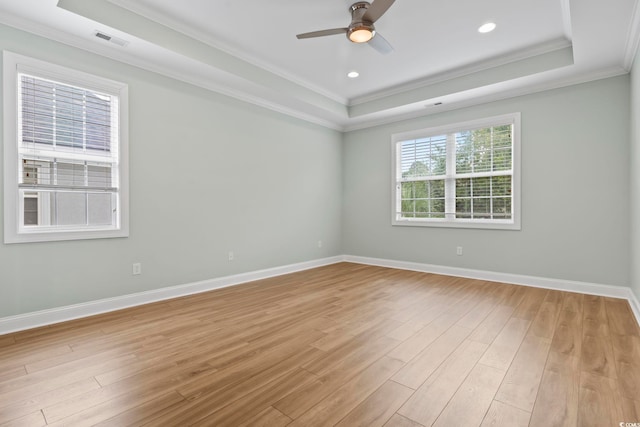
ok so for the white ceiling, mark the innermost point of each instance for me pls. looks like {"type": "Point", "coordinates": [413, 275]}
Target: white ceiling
{"type": "Point", "coordinates": [248, 49]}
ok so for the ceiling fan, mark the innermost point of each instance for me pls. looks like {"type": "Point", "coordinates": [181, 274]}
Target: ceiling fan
{"type": "Point", "coordinates": [361, 29]}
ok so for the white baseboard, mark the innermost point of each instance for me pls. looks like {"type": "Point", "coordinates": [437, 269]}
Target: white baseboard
{"type": "Point", "coordinates": [516, 279]}
{"type": "Point", "coordinates": [62, 314]}
{"type": "Point", "coordinates": [635, 305]}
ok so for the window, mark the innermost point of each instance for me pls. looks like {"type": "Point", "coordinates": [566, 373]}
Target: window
{"type": "Point", "coordinates": [65, 164]}
{"type": "Point", "coordinates": [463, 175]}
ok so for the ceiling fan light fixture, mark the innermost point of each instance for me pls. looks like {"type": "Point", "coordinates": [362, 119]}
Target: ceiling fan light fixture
{"type": "Point", "coordinates": [361, 34]}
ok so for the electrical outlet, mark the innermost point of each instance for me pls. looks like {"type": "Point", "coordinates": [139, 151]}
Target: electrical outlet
{"type": "Point", "coordinates": [231, 256]}
{"type": "Point", "coordinates": [459, 250]}
{"type": "Point", "coordinates": [137, 268]}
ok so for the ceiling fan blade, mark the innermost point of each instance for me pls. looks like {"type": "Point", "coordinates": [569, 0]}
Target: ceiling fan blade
{"type": "Point", "coordinates": [322, 33]}
{"type": "Point", "coordinates": [380, 44]}
{"type": "Point", "coordinates": [377, 9]}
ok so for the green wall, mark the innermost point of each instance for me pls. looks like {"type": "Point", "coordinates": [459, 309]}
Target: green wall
{"type": "Point", "coordinates": [208, 174]}
{"type": "Point", "coordinates": [575, 188]}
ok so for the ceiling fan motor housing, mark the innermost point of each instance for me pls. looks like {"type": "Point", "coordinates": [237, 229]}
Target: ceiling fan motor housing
{"type": "Point", "coordinates": [360, 31]}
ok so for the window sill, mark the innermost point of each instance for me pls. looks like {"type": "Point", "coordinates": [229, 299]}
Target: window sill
{"type": "Point", "coordinates": [445, 223]}
{"type": "Point", "coordinates": [62, 235]}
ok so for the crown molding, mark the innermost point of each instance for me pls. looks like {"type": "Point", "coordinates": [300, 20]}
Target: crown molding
{"type": "Point", "coordinates": [470, 69]}
{"type": "Point", "coordinates": [422, 110]}
{"type": "Point", "coordinates": [326, 119]}
{"type": "Point", "coordinates": [225, 47]}
{"type": "Point", "coordinates": [120, 55]}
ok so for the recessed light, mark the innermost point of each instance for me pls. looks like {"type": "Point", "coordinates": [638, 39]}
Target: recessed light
{"type": "Point", "coordinates": [353, 74]}
{"type": "Point", "coordinates": [487, 28]}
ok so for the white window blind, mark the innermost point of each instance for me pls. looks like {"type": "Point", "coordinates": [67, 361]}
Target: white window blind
{"type": "Point", "coordinates": [68, 154]}
{"type": "Point", "coordinates": [461, 175]}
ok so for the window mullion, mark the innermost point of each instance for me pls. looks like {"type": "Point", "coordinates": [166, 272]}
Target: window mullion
{"type": "Point", "coordinates": [450, 181]}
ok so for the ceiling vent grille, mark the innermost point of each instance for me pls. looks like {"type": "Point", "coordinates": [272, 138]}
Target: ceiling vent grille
{"type": "Point", "coordinates": [111, 39]}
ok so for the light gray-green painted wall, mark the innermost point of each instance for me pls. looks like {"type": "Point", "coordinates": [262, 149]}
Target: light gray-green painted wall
{"type": "Point", "coordinates": [208, 174]}
{"type": "Point", "coordinates": [211, 174]}
{"type": "Point", "coordinates": [635, 178]}
{"type": "Point", "coordinates": [575, 191]}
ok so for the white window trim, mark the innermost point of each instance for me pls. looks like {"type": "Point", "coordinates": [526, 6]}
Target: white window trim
{"type": "Point", "coordinates": [512, 224]}
{"type": "Point", "coordinates": [14, 63]}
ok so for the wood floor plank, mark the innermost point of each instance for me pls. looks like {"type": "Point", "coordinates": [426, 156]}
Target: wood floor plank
{"type": "Point", "coordinates": [597, 347]}
{"type": "Point", "coordinates": [502, 350]}
{"type": "Point", "coordinates": [501, 414]}
{"type": "Point", "coordinates": [400, 421]}
{"type": "Point", "coordinates": [53, 379]}
{"type": "Point", "coordinates": [567, 338]}
{"type": "Point", "coordinates": [254, 403]}
{"type": "Point", "coordinates": [333, 340]}
{"type": "Point", "coordinates": [413, 346]}
{"type": "Point", "coordinates": [597, 356]}
{"type": "Point", "coordinates": [621, 318]}
{"type": "Point", "coordinates": [242, 384]}
{"type": "Point", "coordinates": [528, 308]}
{"type": "Point", "coordinates": [298, 402]}
{"type": "Point", "coordinates": [250, 364]}
{"type": "Point", "coordinates": [270, 417]}
{"type": "Point", "coordinates": [626, 350]}
{"type": "Point", "coordinates": [357, 350]}
{"type": "Point", "coordinates": [600, 404]}
{"type": "Point", "coordinates": [34, 419]}
{"type": "Point", "coordinates": [42, 400]}
{"type": "Point", "coordinates": [480, 312]}
{"type": "Point", "coordinates": [141, 389]}
{"type": "Point", "coordinates": [10, 373]}
{"type": "Point", "coordinates": [6, 341]}
{"type": "Point", "coordinates": [471, 402]}
{"type": "Point", "coordinates": [378, 407]}
{"type": "Point", "coordinates": [247, 407]}
{"type": "Point", "coordinates": [127, 409]}
{"type": "Point", "coordinates": [151, 411]}
{"type": "Point", "coordinates": [321, 346]}
{"type": "Point", "coordinates": [544, 324]}
{"type": "Point", "coordinates": [631, 409]}
{"type": "Point", "coordinates": [426, 404]}
{"type": "Point", "coordinates": [558, 396]}
{"type": "Point", "coordinates": [414, 373]}
{"type": "Point", "coordinates": [491, 326]}
{"type": "Point", "coordinates": [24, 354]}
{"type": "Point", "coordinates": [337, 405]}
{"type": "Point", "coordinates": [522, 381]}
{"type": "Point", "coordinates": [573, 302]}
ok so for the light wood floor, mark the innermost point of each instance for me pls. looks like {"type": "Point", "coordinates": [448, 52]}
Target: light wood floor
{"type": "Point", "coordinates": [343, 345]}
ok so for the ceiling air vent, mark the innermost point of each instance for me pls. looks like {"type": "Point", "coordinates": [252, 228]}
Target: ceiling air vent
{"type": "Point", "coordinates": [111, 39]}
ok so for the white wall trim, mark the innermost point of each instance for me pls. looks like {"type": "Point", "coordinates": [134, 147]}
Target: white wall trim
{"type": "Point", "coordinates": [329, 120]}
{"type": "Point", "coordinates": [516, 279]}
{"type": "Point", "coordinates": [633, 39]}
{"type": "Point", "coordinates": [635, 305]}
{"type": "Point", "coordinates": [62, 314]}
{"type": "Point", "coordinates": [56, 315]}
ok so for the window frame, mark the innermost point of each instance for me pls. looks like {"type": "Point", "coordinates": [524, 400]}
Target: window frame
{"type": "Point", "coordinates": [450, 176]}
{"type": "Point", "coordinates": [13, 65]}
